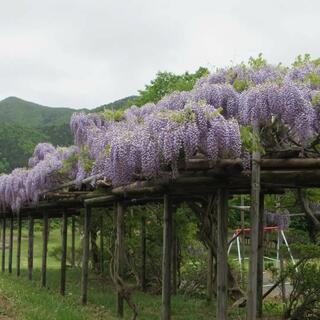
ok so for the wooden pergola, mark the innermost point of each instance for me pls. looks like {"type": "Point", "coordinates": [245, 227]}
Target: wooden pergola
{"type": "Point", "coordinates": [198, 179]}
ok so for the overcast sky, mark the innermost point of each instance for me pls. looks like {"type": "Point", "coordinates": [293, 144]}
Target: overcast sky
{"type": "Point", "coordinates": [86, 53]}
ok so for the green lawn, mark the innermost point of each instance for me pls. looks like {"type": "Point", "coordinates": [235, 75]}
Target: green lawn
{"type": "Point", "coordinates": [24, 299]}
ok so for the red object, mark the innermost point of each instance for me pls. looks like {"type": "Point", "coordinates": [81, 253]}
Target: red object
{"type": "Point", "coordinates": [248, 230]}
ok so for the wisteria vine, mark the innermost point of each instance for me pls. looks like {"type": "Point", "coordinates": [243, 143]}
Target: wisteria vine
{"type": "Point", "coordinates": [157, 137]}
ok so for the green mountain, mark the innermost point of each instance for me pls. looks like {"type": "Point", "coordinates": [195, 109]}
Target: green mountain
{"type": "Point", "coordinates": [24, 124]}
{"type": "Point", "coordinates": [29, 114]}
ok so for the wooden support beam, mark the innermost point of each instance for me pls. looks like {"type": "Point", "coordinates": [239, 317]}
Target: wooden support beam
{"type": "Point", "coordinates": [19, 226]}
{"type": "Point", "coordinates": [166, 259]}
{"type": "Point", "coordinates": [3, 262]}
{"type": "Point", "coordinates": [101, 246]}
{"type": "Point", "coordinates": [100, 201]}
{"type": "Point", "coordinates": [10, 245]}
{"type": "Point", "coordinates": [63, 269]}
{"type": "Point", "coordinates": [73, 241]}
{"type": "Point", "coordinates": [30, 247]}
{"type": "Point", "coordinates": [120, 254]}
{"type": "Point", "coordinates": [45, 235]}
{"type": "Point", "coordinates": [143, 253]}
{"type": "Point", "coordinates": [85, 255]}
{"type": "Point", "coordinates": [222, 255]}
{"type": "Point", "coordinates": [293, 163]}
{"type": "Point", "coordinates": [136, 188]}
{"type": "Point", "coordinates": [260, 256]}
{"type": "Point", "coordinates": [254, 215]}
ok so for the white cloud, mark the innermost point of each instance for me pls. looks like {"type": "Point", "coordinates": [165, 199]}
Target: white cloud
{"type": "Point", "coordinates": [82, 53]}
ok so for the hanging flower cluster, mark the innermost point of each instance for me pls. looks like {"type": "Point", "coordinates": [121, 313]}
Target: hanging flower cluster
{"type": "Point", "coordinates": [156, 137]}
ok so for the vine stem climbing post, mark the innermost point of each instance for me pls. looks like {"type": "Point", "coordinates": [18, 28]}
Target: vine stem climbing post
{"type": "Point", "coordinates": [64, 252]}
{"type": "Point", "coordinates": [30, 247]}
{"type": "Point", "coordinates": [85, 256]}
{"type": "Point", "coordinates": [166, 259]}
{"type": "Point", "coordinates": [18, 244]}
{"type": "Point", "coordinates": [254, 215]}
{"type": "Point", "coordinates": [222, 255]}
{"type": "Point", "coordinates": [45, 234]}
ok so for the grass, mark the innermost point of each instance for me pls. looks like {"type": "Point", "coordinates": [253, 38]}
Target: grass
{"type": "Point", "coordinates": [24, 299]}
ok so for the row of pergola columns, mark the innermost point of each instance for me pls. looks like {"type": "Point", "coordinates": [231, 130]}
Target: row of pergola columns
{"type": "Point", "coordinates": [254, 299]}
{"type": "Point", "coordinates": [45, 237]}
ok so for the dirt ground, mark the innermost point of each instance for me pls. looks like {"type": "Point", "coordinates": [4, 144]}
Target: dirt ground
{"type": "Point", "coordinates": [6, 312]}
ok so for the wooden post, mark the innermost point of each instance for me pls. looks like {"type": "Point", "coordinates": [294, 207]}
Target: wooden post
{"type": "Point", "coordinates": [101, 246]}
{"type": "Point", "coordinates": [174, 259]}
{"type": "Point", "coordinates": [280, 256]}
{"type": "Point", "coordinates": [120, 254]}
{"type": "Point", "coordinates": [19, 243]}
{"type": "Point", "coordinates": [260, 257]}
{"type": "Point", "coordinates": [85, 256]}
{"type": "Point", "coordinates": [45, 234]}
{"type": "Point", "coordinates": [10, 245]}
{"type": "Point", "coordinates": [73, 242]}
{"type": "Point", "coordinates": [210, 275]}
{"type": "Point", "coordinates": [3, 265]}
{"type": "Point", "coordinates": [243, 247]}
{"type": "Point", "coordinates": [30, 247]}
{"type": "Point", "coordinates": [166, 259]}
{"type": "Point", "coordinates": [64, 252]}
{"type": "Point", "coordinates": [210, 270]}
{"type": "Point", "coordinates": [281, 268]}
{"type": "Point", "coordinates": [254, 215]}
{"type": "Point", "coordinates": [222, 255]}
{"type": "Point", "coordinates": [143, 253]}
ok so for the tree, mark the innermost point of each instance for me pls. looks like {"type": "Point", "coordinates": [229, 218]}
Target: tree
{"type": "Point", "coordinates": [166, 83]}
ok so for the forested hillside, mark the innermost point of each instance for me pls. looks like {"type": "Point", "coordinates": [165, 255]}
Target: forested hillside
{"type": "Point", "coordinates": [24, 124]}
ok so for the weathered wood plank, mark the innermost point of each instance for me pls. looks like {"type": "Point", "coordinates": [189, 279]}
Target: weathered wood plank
{"type": "Point", "coordinates": [222, 255]}
{"type": "Point", "coordinates": [292, 163]}
{"type": "Point", "coordinates": [85, 256]}
{"type": "Point", "coordinates": [45, 234]}
{"type": "Point", "coordinates": [166, 259]}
